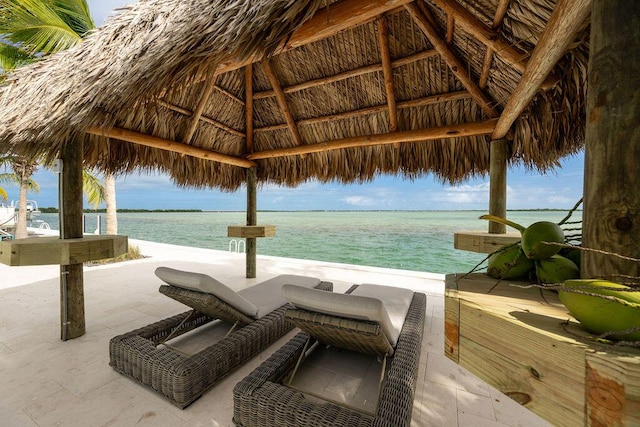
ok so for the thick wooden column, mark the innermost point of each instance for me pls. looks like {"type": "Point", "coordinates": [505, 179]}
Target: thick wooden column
{"type": "Point", "coordinates": [611, 217]}
{"type": "Point", "coordinates": [252, 219]}
{"type": "Point", "coordinates": [498, 184]}
{"type": "Point", "coordinates": [71, 276]}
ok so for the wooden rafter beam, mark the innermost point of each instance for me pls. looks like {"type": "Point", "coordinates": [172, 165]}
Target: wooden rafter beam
{"type": "Point", "coordinates": [248, 89]}
{"type": "Point", "coordinates": [282, 102]}
{"type": "Point", "coordinates": [228, 94]}
{"type": "Point", "coordinates": [387, 71]}
{"type": "Point", "coordinates": [327, 22]}
{"type": "Point", "coordinates": [206, 119]}
{"type": "Point", "coordinates": [453, 131]}
{"type": "Point", "coordinates": [197, 113]}
{"type": "Point", "coordinates": [165, 144]}
{"type": "Point", "coordinates": [373, 68]}
{"type": "Point", "coordinates": [429, 100]}
{"type": "Point", "coordinates": [456, 66]}
{"type": "Point", "coordinates": [501, 11]}
{"type": "Point", "coordinates": [489, 37]}
{"type": "Point", "coordinates": [566, 20]}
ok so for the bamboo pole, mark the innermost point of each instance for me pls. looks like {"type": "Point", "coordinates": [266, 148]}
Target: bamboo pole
{"type": "Point", "coordinates": [373, 68]}
{"type": "Point", "coordinates": [164, 144]}
{"type": "Point", "coordinates": [428, 100]}
{"type": "Point", "coordinates": [282, 102]}
{"type": "Point", "coordinates": [465, 129]}
{"type": "Point", "coordinates": [611, 216]}
{"type": "Point", "coordinates": [567, 18]}
{"type": "Point", "coordinates": [252, 219]}
{"type": "Point", "coordinates": [423, 21]}
{"type": "Point", "coordinates": [72, 319]}
{"type": "Point", "coordinates": [197, 113]}
{"type": "Point", "coordinates": [498, 184]}
{"type": "Point", "coordinates": [387, 71]}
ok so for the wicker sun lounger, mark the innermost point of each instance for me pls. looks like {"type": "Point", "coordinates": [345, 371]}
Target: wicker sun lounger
{"type": "Point", "coordinates": [183, 378]}
{"type": "Point", "coordinates": [263, 398]}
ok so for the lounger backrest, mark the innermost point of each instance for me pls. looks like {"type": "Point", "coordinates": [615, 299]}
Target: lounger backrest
{"type": "Point", "coordinates": [206, 284]}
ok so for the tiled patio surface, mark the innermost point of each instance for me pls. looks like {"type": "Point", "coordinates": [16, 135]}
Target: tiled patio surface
{"type": "Point", "coordinates": [47, 382]}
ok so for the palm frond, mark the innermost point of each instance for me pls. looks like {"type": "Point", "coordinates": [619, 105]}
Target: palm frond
{"type": "Point", "coordinates": [93, 189]}
{"type": "Point", "coordinates": [3, 195]}
{"type": "Point", "coordinates": [12, 57]}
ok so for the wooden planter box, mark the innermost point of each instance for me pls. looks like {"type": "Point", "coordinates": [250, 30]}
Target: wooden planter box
{"type": "Point", "coordinates": [524, 343]}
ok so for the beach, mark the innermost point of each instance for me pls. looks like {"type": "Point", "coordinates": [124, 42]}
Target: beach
{"type": "Point", "coordinates": [48, 382]}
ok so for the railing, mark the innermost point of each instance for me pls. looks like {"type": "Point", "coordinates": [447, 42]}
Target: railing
{"type": "Point", "coordinates": [98, 229]}
{"type": "Point", "coordinates": [237, 246]}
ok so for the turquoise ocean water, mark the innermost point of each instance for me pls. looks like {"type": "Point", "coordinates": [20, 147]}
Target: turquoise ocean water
{"type": "Point", "coordinates": [409, 240]}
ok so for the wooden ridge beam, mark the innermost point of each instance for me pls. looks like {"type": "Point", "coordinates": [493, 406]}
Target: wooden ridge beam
{"type": "Point", "coordinates": [282, 102]}
{"type": "Point", "coordinates": [490, 38]}
{"type": "Point", "coordinates": [453, 131]}
{"type": "Point", "coordinates": [348, 74]}
{"type": "Point", "coordinates": [423, 19]}
{"type": "Point", "coordinates": [429, 100]}
{"type": "Point", "coordinates": [387, 71]}
{"type": "Point", "coordinates": [197, 113]}
{"type": "Point", "coordinates": [566, 20]}
{"type": "Point", "coordinates": [165, 144]}
{"type": "Point", "coordinates": [327, 22]}
{"type": "Point", "coordinates": [209, 120]}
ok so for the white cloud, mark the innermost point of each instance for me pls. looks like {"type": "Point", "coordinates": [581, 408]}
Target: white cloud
{"type": "Point", "coordinates": [358, 200]}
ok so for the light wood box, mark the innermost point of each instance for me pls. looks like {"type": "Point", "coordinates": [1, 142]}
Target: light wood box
{"type": "Point", "coordinates": [482, 241]}
{"type": "Point", "coordinates": [524, 343]}
{"type": "Point", "coordinates": [251, 231]}
{"type": "Point", "coordinates": [53, 250]}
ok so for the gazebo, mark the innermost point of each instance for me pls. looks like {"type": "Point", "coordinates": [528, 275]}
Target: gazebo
{"type": "Point", "coordinates": [224, 94]}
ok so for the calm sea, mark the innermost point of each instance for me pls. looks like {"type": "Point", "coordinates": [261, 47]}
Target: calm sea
{"type": "Point", "coordinates": [409, 240]}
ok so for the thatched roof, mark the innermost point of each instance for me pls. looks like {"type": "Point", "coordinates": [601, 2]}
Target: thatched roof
{"type": "Point", "coordinates": [336, 90]}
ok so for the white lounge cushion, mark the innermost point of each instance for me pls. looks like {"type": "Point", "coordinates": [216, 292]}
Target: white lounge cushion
{"type": "Point", "coordinates": [396, 301]}
{"type": "Point", "coordinates": [204, 283]}
{"type": "Point", "coordinates": [267, 296]}
{"type": "Point", "coordinates": [353, 306]}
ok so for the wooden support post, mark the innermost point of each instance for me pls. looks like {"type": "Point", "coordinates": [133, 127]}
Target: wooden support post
{"type": "Point", "coordinates": [611, 217]}
{"type": "Point", "coordinates": [71, 276]}
{"type": "Point", "coordinates": [252, 219]}
{"type": "Point", "coordinates": [498, 184]}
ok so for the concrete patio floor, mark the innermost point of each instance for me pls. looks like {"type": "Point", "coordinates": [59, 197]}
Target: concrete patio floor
{"type": "Point", "coordinates": [47, 382]}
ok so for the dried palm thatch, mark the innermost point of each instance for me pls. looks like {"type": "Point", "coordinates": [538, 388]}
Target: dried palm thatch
{"type": "Point", "coordinates": [308, 89]}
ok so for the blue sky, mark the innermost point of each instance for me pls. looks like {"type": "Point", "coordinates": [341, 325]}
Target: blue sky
{"type": "Point", "coordinates": [526, 189]}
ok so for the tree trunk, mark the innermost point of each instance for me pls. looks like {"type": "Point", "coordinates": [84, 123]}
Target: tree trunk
{"type": "Point", "coordinates": [21, 223]}
{"type": "Point", "coordinates": [498, 184]}
{"type": "Point", "coordinates": [611, 218]}
{"type": "Point", "coordinates": [110, 196]}
{"type": "Point", "coordinates": [252, 219]}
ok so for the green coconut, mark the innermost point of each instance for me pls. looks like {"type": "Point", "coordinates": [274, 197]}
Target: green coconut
{"type": "Point", "coordinates": [535, 238]}
{"type": "Point", "coordinates": [602, 316]}
{"type": "Point", "coordinates": [556, 269]}
{"type": "Point", "coordinates": [510, 263]}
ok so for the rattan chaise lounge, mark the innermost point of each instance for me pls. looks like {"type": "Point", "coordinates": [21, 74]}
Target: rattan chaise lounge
{"type": "Point", "coordinates": [361, 322]}
{"type": "Point", "coordinates": [255, 316]}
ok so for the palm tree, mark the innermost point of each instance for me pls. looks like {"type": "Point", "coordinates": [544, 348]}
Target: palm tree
{"type": "Point", "coordinates": [30, 29]}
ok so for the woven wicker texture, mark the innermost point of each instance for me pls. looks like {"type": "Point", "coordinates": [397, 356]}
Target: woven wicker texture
{"type": "Point", "coordinates": [180, 378]}
{"type": "Point", "coordinates": [259, 399]}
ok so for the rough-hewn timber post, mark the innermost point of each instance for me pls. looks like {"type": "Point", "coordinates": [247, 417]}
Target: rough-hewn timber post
{"type": "Point", "coordinates": [71, 276]}
{"type": "Point", "coordinates": [611, 218]}
{"type": "Point", "coordinates": [252, 219]}
{"type": "Point", "coordinates": [498, 184]}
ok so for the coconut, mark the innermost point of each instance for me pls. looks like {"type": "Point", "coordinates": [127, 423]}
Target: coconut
{"type": "Point", "coordinates": [509, 262]}
{"type": "Point", "coordinates": [556, 269]}
{"type": "Point", "coordinates": [535, 236]}
{"type": "Point", "coordinates": [620, 312]}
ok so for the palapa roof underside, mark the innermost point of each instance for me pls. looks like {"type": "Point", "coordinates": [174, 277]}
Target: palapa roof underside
{"type": "Point", "coordinates": [309, 89]}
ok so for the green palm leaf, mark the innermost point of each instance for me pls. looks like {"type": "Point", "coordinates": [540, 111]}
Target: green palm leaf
{"type": "Point", "coordinates": [93, 189]}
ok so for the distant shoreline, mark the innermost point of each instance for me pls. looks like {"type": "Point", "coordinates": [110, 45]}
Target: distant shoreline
{"type": "Point", "coordinates": [91, 211]}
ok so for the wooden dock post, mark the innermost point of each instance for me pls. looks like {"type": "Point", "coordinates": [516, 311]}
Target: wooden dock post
{"type": "Point", "coordinates": [498, 184]}
{"type": "Point", "coordinates": [71, 276]}
{"type": "Point", "coordinates": [611, 219]}
{"type": "Point", "coordinates": [252, 219]}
